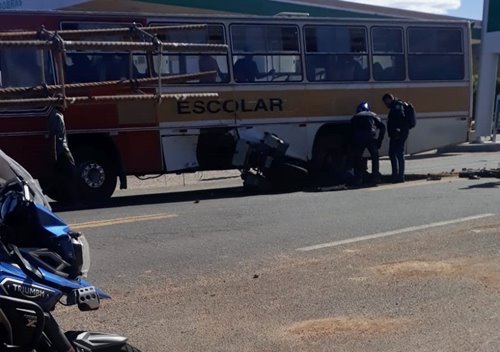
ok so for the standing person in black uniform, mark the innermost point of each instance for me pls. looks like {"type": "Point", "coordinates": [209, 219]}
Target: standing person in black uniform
{"type": "Point", "coordinates": [364, 126]}
{"type": "Point", "coordinates": [64, 163]}
{"type": "Point", "coordinates": [398, 133]}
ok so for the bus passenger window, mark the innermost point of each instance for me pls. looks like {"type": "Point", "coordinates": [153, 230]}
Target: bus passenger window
{"type": "Point", "coordinates": [117, 66]}
{"type": "Point", "coordinates": [435, 54]}
{"type": "Point", "coordinates": [84, 67]}
{"type": "Point", "coordinates": [187, 64]}
{"type": "Point", "coordinates": [263, 53]}
{"type": "Point", "coordinates": [336, 54]}
{"type": "Point", "coordinates": [388, 61]}
{"type": "Point", "coordinates": [79, 68]}
{"type": "Point", "coordinates": [140, 66]}
{"type": "Point", "coordinates": [195, 61]}
{"type": "Point", "coordinates": [208, 63]}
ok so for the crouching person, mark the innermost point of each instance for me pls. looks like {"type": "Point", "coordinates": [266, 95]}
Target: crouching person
{"type": "Point", "coordinates": [367, 132]}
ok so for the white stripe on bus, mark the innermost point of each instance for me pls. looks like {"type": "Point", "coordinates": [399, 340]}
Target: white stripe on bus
{"type": "Point", "coordinates": [231, 123]}
{"type": "Point", "coordinates": [287, 86]}
{"type": "Point", "coordinates": [295, 120]}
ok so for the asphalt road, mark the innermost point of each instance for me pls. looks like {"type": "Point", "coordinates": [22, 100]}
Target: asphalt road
{"type": "Point", "coordinates": [412, 266]}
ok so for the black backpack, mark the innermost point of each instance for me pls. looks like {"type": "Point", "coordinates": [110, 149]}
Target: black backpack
{"type": "Point", "coordinates": [410, 115]}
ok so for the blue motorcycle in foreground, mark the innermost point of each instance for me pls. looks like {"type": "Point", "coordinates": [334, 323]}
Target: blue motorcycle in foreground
{"type": "Point", "coordinates": [42, 263]}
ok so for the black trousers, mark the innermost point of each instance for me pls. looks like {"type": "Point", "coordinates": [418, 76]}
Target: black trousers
{"type": "Point", "coordinates": [66, 175]}
{"type": "Point", "coordinates": [397, 155]}
{"type": "Point", "coordinates": [358, 150]}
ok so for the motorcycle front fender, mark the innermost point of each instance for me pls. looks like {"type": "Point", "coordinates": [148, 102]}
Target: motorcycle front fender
{"type": "Point", "coordinates": [96, 341]}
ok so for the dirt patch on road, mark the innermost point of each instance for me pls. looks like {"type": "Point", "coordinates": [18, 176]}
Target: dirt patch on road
{"type": "Point", "coordinates": [347, 325]}
{"type": "Point", "coordinates": [418, 268]}
{"type": "Point", "coordinates": [485, 271]}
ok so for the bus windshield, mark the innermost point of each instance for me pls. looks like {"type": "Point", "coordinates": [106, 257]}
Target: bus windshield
{"type": "Point", "coordinates": [21, 67]}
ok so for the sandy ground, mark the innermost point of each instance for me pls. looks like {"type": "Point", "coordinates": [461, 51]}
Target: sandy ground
{"type": "Point", "coordinates": [432, 290]}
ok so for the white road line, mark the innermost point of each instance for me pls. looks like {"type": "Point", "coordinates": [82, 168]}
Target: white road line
{"type": "Point", "coordinates": [414, 184]}
{"type": "Point", "coordinates": [393, 232]}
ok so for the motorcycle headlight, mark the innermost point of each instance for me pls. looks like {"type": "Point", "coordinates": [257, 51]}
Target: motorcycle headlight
{"type": "Point", "coordinates": [82, 253]}
{"type": "Point", "coordinates": [68, 256]}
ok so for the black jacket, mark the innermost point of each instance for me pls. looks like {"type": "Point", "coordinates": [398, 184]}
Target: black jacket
{"type": "Point", "coordinates": [364, 126]}
{"type": "Point", "coordinates": [396, 126]}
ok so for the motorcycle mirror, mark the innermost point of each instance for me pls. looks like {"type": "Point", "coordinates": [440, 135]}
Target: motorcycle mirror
{"type": "Point", "coordinates": [26, 191]}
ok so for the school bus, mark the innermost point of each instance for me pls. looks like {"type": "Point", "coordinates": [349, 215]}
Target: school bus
{"type": "Point", "coordinates": [299, 78]}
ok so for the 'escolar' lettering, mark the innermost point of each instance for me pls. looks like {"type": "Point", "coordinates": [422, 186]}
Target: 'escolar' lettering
{"type": "Point", "coordinates": [229, 106]}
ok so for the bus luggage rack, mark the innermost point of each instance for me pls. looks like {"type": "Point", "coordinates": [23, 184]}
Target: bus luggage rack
{"type": "Point", "coordinates": [157, 45]}
{"type": "Point", "coordinates": [135, 84]}
{"type": "Point", "coordinates": [145, 39]}
{"type": "Point", "coordinates": [72, 33]}
{"type": "Point", "coordinates": [103, 99]}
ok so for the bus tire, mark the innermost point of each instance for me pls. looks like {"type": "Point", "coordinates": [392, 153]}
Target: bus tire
{"type": "Point", "coordinates": [287, 176]}
{"type": "Point", "coordinates": [97, 175]}
{"type": "Point", "coordinates": [330, 159]}
{"type": "Point", "coordinates": [256, 183]}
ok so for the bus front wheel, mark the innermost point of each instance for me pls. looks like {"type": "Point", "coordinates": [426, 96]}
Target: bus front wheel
{"type": "Point", "coordinates": [97, 175]}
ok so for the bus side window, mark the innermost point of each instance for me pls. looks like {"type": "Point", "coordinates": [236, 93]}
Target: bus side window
{"type": "Point", "coordinates": [435, 54]}
{"type": "Point", "coordinates": [95, 65]}
{"type": "Point", "coordinates": [388, 61]}
{"type": "Point", "coordinates": [80, 68]}
{"type": "Point", "coordinates": [117, 67]}
{"type": "Point", "coordinates": [263, 53]}
{"type": "Point", "coordinates": [340, 51]}
{"type": "Point", "coordinates": [192, 62]}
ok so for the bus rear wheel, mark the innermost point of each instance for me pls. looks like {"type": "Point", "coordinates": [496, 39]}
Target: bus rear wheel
{"type": "Point", "coordinates": [330, 160]}
{"type": "Point", "coordinates": [287, 177]}
{"type": "Point", "coordinates": [97, 175]}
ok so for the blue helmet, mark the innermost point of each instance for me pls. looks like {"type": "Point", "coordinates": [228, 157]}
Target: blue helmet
{"type": "Point", "coordinates": [363, 107]}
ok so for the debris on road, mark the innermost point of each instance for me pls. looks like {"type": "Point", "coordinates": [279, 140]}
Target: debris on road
{"type": "Point", "coordinates": [476, 174]}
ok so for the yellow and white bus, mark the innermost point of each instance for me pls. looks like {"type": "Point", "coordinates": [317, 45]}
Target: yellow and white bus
{"type": "Point", "coordinates": [312, 73]}
{"type": "Point", "coordinates": [299, 78]}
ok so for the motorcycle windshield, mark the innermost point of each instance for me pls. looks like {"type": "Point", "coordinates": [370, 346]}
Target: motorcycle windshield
{"type": "Point", "coordinates": [12, 171]}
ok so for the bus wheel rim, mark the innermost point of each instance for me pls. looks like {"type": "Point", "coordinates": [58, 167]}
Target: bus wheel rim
{"type": "Point", "coordinates": [93, 175]}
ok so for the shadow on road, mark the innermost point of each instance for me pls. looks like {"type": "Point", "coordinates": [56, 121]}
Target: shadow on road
{"type": "Point", "coordinates": [482, 185]}
{"type": "Point", "coordinates": [159, 198]}
{"type": "Point", "coordinates": [207, 194]}
{"type": "Point", "coordinates": [430, 156]}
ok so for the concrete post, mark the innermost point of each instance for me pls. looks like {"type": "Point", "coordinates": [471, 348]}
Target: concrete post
{"type": "Point", "coordinates": [485, 100]}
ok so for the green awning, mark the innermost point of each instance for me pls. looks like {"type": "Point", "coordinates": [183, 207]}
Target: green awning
{"type": "Point", "coordinates": [262, 7]}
